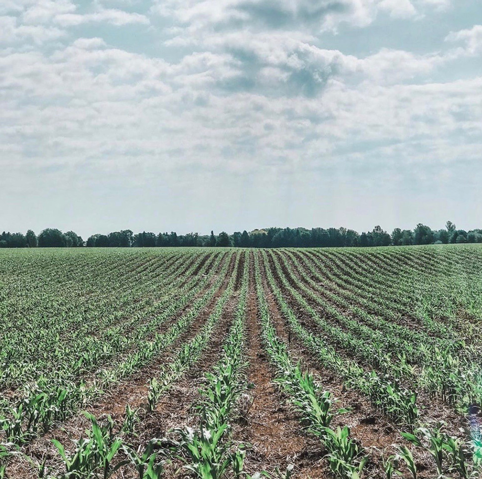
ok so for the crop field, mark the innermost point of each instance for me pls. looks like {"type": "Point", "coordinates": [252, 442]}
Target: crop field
{"type": "Point", "coordinates": [226, 363]}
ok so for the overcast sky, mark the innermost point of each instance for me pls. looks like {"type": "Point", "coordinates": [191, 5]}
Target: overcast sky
{"type": "Point", "coordinates": [192, 115]}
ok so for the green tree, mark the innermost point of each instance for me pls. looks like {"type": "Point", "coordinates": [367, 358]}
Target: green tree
{"type": "Point", "coordinates": [450, 227]}
{"type": "Point", "coordinates": [422, 235]}
{"type": "Point", "coordinates": [162, 240]}
{"type": "Point", "coordinates": [212, 240]}
{"type": "Point", "coordinates": [245, 243]}
{"type": "Point", "coordinates": [407, 237]}
{"type": "Point", "coordinates": [236, 239]}
{"type": "Point", "coordinates": [102, 241]}
{"type": "Point", "coordinates": [73, 239]}
{"type": "Point", "coordinates": [51, 238]}
{"type": "Point", "coordinates": [32, 241]}
{"type": "Point", "coordinates": [223, 239]}
{"type": "Point", "coordinates": [17, 240]}
{"type": "Point", "coordinates": [380, 237]}
{"type": "Point", "coordinates": [397, 237]}
{"type": "Point", "coordinates": [443, 236]}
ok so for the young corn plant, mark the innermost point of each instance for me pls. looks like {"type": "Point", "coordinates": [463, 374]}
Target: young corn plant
{"type": "Point", "coordinates": [93, 456]}
{"type": "Point", "coordinates": [450, 454]}
{"type": "Point", "coordinates": [131, 419]}
{"type": "Point", "coordinates": [207, 451]}
{"type": "Point", "coordinates": [145, 461]}
{"type": "Point", "coordinates": [346, 458]}
{"type": "Point", "coordinates": [390, 467]}
{"type": "Point", "coordinates": [405, 454]}
{"type": "Point", "coordinates": [153, 394]}
{"type": "Point", "coordinates": [208, 457]}
{"type": "Point", "coordinates": [4, 455]}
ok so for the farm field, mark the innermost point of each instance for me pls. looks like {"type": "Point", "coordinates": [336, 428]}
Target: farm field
{"type": "Point", "coordinates": [222, 363]}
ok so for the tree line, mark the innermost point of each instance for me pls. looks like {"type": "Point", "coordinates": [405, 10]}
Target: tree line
{"type": "Point", "coordinates": [260, 238]}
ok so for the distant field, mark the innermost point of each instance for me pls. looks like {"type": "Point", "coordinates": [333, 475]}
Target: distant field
{"type": "Point", "coordinates": [225, 362]}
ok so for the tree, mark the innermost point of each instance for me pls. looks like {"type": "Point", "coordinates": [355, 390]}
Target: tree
{"type": "Point", "coordinates": [351, 238]}
{"type": "Point", "coordinates": [212, 239]}
{"type": "Point", "coordinates": [363, 242]}
{"type": "Point", "coordinates": [189, 240]}
{"type": "Point", "coordinates": [223, 239]}
{"type": "Point", "coordinates": [335, 237]}
{"type": "Point", "coordinates": [31, 237]}
{"type": "Point", "coordinates": [259, 239]}
{"type": "Point", "coordinates": [450, 227]}
{"type": "Point", "coordinates": [407, 237]}
{"type": "Point", "coordinates": [91, 241]}
{"type": "Point", "coordinates": [115, 239]}
{"type": "Point", "coordinates": [443, 236]}
{"type": "Point", "coordinates": [17, 240]}
{"type": "Point", "coordinates": [102, 241]}
{"type": "Point", "coordinates": [126, 238]}
{"type": "Point", "coordinates": [73, 239]}
{"type": "Point", "coordinates": [397, 237]}
{"type": "Point", "coordinates": [380, 237]}
{"type": "Point", "coordinates": [245, 239]}
{"type": "Point", "coordinates": [51, 238]}
{"type": "Point", "coordinates": [173, 239]}
{"type": "Point", "coordinates": [162, 240]}
{"type": "Point", "coordinates": [471, 237]}
{"type": "Point", "coordinates": [237, 239]}
{"type": "Point", "coordinates": [422, 235]}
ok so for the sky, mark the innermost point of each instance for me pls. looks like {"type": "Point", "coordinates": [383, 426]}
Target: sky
{"type": "Point", "coordinates": [199, 115]}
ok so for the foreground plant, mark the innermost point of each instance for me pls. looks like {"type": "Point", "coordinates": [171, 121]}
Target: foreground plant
{"type": "Point", "coordinates": [93, 455]}
{"type": "Point", "coordinates": [207, 451]}
{"type": "Point", "coordinates": [450, 454]}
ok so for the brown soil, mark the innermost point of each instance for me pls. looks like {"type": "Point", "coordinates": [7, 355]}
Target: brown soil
{"type": "Point", "coordinates": [372, 429]}
{"type": "Point", "coordinates": [270, 429]}
{"type": "Point", "coordinates": [132, 391]}
{"type": "Point", "coordinates": [432, 409]}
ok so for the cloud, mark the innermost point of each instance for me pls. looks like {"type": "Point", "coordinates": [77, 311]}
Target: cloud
{"type": "Point", "coordinates": [11, 32]}
{"type": "Point", "coordinates": [93, 103]}
{"type": "Point", "coordinates": [398, 8]}
{"type": "Point", "coordinates": [255, 90]}
{"type": "Point", "coordinates": [439, 5]}
{"type": "Point", "coordinates": [472, 38]}
{"type": "Point", "coordinates": [43, 11]}
{"type": "Point", "coordinates": [314, 15]}
{"type": "Point", "coordinates": [89, 43]}
{"type": "Point", "coordinates": [114, 17]}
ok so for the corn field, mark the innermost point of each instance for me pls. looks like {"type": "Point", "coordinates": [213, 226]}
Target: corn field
{"type": "Point", "coordinates": [232, 363]}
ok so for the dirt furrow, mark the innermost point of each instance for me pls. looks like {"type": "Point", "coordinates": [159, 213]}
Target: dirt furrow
{"type": "Point", "coordinates": [376, 433]}
{"type": "Point", "coordinates": [267, 425]}
{"type": "Point", "coordinates": [132, 391]}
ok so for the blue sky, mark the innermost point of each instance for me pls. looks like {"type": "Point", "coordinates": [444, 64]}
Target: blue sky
{"type": "Point", "coordinates": [194, 115]}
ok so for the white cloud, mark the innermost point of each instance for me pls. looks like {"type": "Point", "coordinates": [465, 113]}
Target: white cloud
{"type": "Point", "coordinates": [317, 15]}
{"type": "Point", "coordinates": [43, 11]}
{"type": "Point", "coordinates": [101, 102]}
{"type": "Point", "coordinates": [439, 5]}
{"type": "Point", "coordinates": [11, 32]}
{"type": "Point", "coordinates": [251, 87]}
{"type": "Point", "coordinates": [472, 38]}
{"type": "Point", "coordinates": [114, 17]}
{"type": "Point", "coordinates": [89, 43]}
{"type": "Point", "coordinates": [398, 8]}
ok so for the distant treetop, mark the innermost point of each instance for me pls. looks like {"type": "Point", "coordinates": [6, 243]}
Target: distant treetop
{"type": "Point", "coordinates": [258, 238]}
